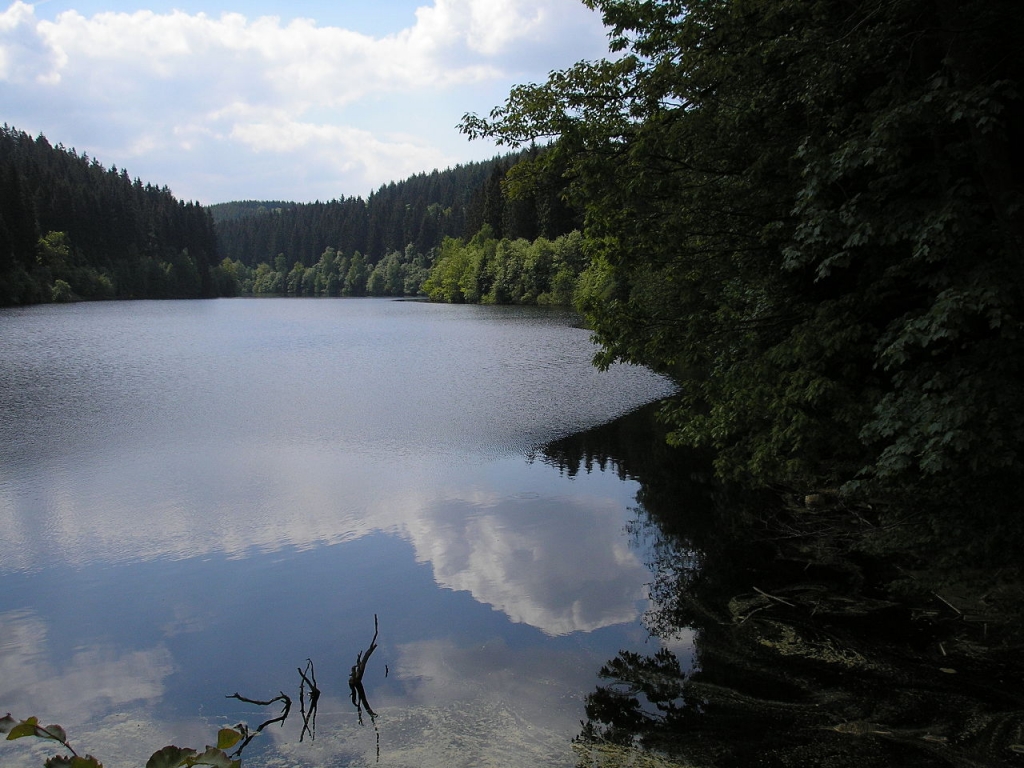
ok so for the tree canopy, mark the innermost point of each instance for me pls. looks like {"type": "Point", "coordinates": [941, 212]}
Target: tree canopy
{"type": "Point", "coordinates": [420, 211]}
{"type": "Point", "coordinates": [810, 213]}
{"type": "Point", "coordinates": [71, 228]}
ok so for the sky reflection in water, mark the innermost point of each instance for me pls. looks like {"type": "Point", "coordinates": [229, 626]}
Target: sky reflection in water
{"type": "Point", "coordinates": [197, 497]}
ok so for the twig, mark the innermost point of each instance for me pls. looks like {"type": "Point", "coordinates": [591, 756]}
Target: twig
{"type": "Point", "coordinates": [773, 597]}
{"type": "Point", "coordinates": [355, 679]}
{"type": "Point", "coordinates": [250, 735]}
{"type": "Point", "coordinates": [958, 611]}
{"type": "Point", "coordinates": [743, 620]}
{"type": "Point", "coordinates": [314, 697]}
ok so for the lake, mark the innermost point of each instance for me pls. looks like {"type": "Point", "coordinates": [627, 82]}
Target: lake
{"type": "Point", "coordinates": [203, 498]}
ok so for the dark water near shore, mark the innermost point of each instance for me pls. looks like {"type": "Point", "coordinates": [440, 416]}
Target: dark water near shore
{"type": "Point", "coordinates": [197, 497]}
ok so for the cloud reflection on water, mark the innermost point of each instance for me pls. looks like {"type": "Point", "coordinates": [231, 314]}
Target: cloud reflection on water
{"type": "Point", "coordinates": [558, 562]}
{"type": "Point", "coordinates": [93, 679]}
{"type": "Point", "coordinates": [553, 563]}
{"type": "Point", "coordinates": [205, 480]}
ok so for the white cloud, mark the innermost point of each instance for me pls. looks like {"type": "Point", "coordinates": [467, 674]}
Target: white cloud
{"type": "Point", "coordinates": [342, 148]}
{"type": "Point", "coordinates": [170, 94]}
{"type": "Point", "coordinates": [25, 59]}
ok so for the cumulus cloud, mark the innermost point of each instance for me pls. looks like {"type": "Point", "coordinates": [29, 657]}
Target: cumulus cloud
{"type": "Point", "coordinates": [170, 93]}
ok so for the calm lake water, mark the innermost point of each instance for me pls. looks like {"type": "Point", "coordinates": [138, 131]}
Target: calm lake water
{"type": "Point", "coordinates": [197, 497]}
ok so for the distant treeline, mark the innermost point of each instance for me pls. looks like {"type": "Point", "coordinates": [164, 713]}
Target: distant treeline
{"type": "Point", "coordinates": [483, 270]}
{"type": "Point", "coordinates": [70, 228]}
{"type": "Point", "coordinates": [455, 235]}
{"type": "Point", "coordinates": [419, 212]}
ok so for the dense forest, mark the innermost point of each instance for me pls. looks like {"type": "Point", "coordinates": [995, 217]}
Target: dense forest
{"type": "Point", "coordinates": [419, 211]}
{"type": "Point", "coordinates": [387, 244]}
{"type": "Point", "coordinates": [70, 228]}
{"type": "Point", "coordinates": [811, 214]}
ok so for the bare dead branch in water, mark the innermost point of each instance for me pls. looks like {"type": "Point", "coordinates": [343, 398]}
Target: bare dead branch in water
{"type": "Point", "coordinates": [308, 716]}
{"type": "Point", "coordinates": [955, 609]}
{"type": "Point", "coordinates": [355, 679]}
{"type": "Point", "coordinates": [774, 597]}
{"type": "Point", "coordinates": [250, 735]}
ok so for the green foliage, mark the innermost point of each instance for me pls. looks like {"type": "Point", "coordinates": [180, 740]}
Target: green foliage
{"type": "Point", "coordinates": [811, 214]}
{"type": "Point", "coordinates": [179, 757]}
{"type": "Point", "coordinates": [168, 757]}
{"type": "Point", "coordinates": [488, 270]}
{"type": "Point", "coordinates": [420, 211]}
{"type": "Point", "coordinates": [66, 217]}
{"type": "Point", "coordinates": [333, 274]}
{"type": "Point", "coordinates": [61, 291]}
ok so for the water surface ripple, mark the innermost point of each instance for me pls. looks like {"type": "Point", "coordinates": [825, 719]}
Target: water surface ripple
{"type": "Point", "coordinates": [195, 497]}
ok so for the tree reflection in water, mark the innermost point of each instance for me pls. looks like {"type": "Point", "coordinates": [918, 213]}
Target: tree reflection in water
{"type": "Point", "coordinates": [800, 657]}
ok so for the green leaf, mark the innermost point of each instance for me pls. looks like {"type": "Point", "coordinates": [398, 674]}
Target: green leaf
{"type": "Point", "coordinates": [215, 757]}
{"type": "Point", "coordinates": [63, 761]}
{"type": "Point", "coordinates": [54, 732]}
{"type": "Point", "coordinates": [29, 727]}
{"type": "Point", "coordinates": [170, 757]}
{"type": "Point", "coordinates": [227, 738]}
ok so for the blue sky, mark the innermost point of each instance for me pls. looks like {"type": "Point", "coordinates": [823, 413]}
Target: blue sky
{"type": "Point", "coordinates": [264, 100]}
{"type": "Point", "coordinates": [372, 17]}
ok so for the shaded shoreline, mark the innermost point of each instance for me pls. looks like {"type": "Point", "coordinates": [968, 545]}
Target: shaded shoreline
{"type": "Point", "coordinates": [818, 640]}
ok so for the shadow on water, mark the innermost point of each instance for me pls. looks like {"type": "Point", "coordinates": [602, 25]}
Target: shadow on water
{"type": "Point", "coordinates": [802, 657]}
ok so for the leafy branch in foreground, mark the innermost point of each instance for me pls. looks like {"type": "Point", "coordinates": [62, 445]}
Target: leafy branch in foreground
{"type": "Point", "coordinates": [168, 757]}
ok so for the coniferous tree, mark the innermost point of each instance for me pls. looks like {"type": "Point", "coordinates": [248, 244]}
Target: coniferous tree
{"type": "Point", "coordinates": [118, 237]}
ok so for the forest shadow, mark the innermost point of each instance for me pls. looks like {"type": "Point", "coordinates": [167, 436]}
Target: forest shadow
{"type": "Point", "coordinates": [809, 648]}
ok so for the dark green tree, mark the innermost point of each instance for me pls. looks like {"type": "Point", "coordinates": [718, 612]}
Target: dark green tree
{"type": "Point", "coordinates": [120, 238]}
{"type": "Point", "coordinates": [810, 213]}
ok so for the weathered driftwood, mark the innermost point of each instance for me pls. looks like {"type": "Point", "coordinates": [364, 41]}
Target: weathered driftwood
{"type": "Point", "coordinates": [250, 735]}
{"type": "Point", "coordinates": [308, 716]}
{"type": "Point", "coordinates": [355, 679]}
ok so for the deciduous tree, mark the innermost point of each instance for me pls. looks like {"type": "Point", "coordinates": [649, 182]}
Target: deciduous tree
{"type": "Point", "coordinates": [810, 213]}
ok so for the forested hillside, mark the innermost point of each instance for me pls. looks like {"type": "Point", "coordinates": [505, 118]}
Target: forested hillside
{"type": "Point", "coordinates": [388, 244]}
{"type": "Point", "coordinates": [70, 228]}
